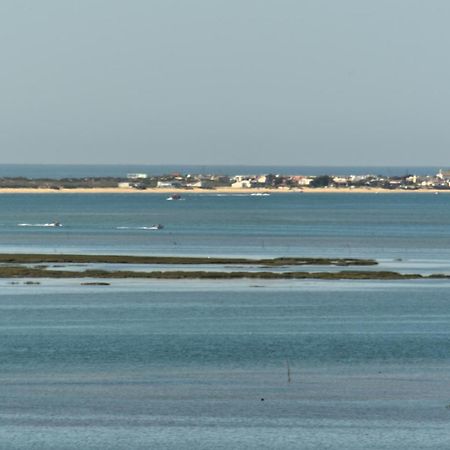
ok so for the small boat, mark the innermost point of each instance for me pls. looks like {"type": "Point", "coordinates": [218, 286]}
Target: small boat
{"type": "Point", "coordinates": [174, 197]}
{"type": "Point", "coordinates": [157, 226]}
{"type": "Point", "coordinates": [53, 224]}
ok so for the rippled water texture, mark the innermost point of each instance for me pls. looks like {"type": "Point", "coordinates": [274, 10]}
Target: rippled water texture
{"type": "Point", "coordinates": [230, 364]}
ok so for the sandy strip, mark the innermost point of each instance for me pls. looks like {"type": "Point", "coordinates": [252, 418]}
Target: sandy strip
{"type": "Point", "coordinates": [222, 190]}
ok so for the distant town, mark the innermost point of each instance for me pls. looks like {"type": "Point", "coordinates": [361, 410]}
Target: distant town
{"type": "Point", "coordinates": [143, 181]}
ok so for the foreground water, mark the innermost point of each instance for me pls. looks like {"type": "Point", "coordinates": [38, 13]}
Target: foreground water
{"type": "Point", "coordinates": [186, 364]}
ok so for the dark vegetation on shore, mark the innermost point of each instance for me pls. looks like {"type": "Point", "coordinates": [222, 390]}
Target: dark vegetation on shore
{"type": "Point", "coordinates": [13, 258]}
{"type": "Point", "coordinates": [57, 184]}
{"type": "Point", "coordinates": [28, 272]}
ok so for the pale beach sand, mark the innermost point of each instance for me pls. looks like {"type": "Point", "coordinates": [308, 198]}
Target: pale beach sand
{"type": "Point", "coordinates": [222, 190]}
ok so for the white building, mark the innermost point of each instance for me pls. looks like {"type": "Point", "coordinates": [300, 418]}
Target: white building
{"type": "Point", "coordinates": [243, 184]}
{"type": "Point", "coordinates": [136, 176]}
{"type": "Point", "coordinates": [168, 184]}
{"type": "Point", "coordinates": [125, 185]}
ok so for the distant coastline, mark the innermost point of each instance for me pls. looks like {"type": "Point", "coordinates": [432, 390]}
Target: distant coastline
{"type": "Point", "coordinates": [244, 183]}
{"type": "Point", "coordinates": [222, 190]}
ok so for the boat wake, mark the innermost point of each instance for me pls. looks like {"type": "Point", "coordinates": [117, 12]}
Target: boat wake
{"type": "Point", "coordinates": [153, 227]}
{"type": "Point", "coordinates": [256, 194]}
{"type": "Point", "coordinates": [175, 197]}
{"type": "Point", "coordinates": [46, 225]}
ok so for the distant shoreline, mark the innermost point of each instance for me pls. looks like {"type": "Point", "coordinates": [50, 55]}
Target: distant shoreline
{"type": "Point", "coordinates": [221, 190]}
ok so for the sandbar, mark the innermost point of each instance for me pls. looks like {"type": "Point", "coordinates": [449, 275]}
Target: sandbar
{"type": "Point", "coordinates": [220, 190]}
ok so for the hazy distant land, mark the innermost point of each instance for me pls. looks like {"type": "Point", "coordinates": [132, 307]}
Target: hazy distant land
{"type": "Point", "coordinates": [227, 184]}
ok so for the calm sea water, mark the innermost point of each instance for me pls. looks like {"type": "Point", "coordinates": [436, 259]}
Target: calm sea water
{"type": "Point", "coordinates": [387, 226]}
{"type": "Point", "coordinates": [230, 364]}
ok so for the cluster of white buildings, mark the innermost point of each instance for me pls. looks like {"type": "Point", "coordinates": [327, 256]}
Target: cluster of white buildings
{"type": "Point", "coordinates": [141, 180]}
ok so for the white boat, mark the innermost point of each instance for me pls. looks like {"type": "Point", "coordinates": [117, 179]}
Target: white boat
{"type": "Point", "coordinates": [157, 226]}
{"type": "Point", "coordinates": [53, 224]}
{"type": "Point", "coordinates": [174, 197]}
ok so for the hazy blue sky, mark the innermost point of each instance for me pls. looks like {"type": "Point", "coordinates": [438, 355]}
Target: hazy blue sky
{"type": "Point", "coordinates": [360, 82]}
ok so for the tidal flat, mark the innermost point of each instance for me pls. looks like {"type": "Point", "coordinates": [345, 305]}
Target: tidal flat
{"type": "Point", "coordinates": [21, 266]}
{"type": "Point", "coordinates": [27, 258]}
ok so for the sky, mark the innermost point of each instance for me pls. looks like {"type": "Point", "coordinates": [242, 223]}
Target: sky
{"type": "Point", "coordinates": [301, 82]}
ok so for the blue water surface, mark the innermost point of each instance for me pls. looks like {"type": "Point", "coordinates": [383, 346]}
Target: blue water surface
{"type": "Point", "coordinates": [204, 365]}
{"type": "Point", "coordinates": [383, 226]}
{"type": "Point", "coordinates": [242, 364]}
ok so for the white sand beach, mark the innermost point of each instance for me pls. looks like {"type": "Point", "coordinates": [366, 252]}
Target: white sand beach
{"type": "Point", "coordinates": [221, 190]}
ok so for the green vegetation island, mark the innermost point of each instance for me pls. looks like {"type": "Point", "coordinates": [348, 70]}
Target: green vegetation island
{"type": "Point", "coordinates": [36, 266]}
{"type": "Point", "coordinates": [39, 258]}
